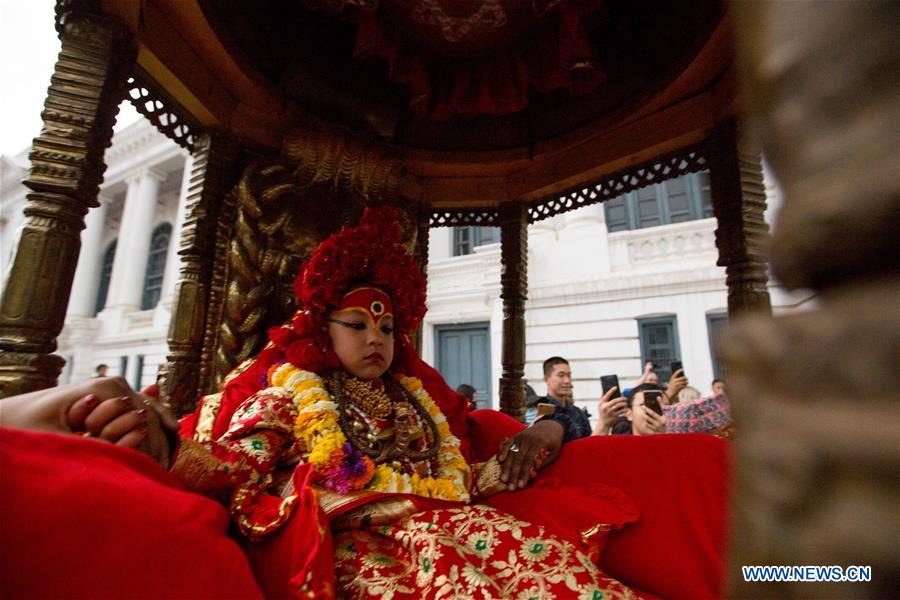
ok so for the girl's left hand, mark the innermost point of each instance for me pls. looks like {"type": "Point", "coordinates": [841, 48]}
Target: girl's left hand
{"type": "Point", "coordinates": [522, 456]}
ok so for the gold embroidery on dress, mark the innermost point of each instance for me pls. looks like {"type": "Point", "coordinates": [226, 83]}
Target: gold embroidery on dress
{"type": "Point", "coordinates": [499, 559]}
{"type": "Point", "coordinates": [208, 411]}
{"type": "Point", "coordinates": [255, 529]}
{"type": "Point", "coordinates": [332, 502]}
{"type": "Point", "coordinates": [589, 533]}
{"type": "Point", "coordinates": [379, 512]}
{"type": "Point", "coordinates": [194, 465]}
{"type": "Point", "coordinates": [486, 476]}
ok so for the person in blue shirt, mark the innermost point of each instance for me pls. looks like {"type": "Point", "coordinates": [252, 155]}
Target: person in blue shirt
{"type": "Point", "coordinates": [558, 377]}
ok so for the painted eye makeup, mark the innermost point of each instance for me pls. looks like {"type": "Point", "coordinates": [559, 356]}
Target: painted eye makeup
{"type": "Point", "coordinates": [387, 329]}
{"type": "Point", "coordinates": [349, 324]}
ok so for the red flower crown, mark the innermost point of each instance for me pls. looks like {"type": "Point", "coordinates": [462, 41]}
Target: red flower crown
{"type": "Point", "coordinates": [371, 253]}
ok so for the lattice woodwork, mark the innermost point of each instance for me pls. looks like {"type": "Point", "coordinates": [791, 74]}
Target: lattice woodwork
{"type": "Point", "coordinates": [465, 218]}
{"type": "Point", "coordinates": [689, 160]}
{"type": "Point", "coordinates": [676, 164]}
{"type": "Point", "coordinates": [160, 109]}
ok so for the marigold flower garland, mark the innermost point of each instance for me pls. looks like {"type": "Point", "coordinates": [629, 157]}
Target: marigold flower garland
{"type": "Point", "coordinates": [341, 467]}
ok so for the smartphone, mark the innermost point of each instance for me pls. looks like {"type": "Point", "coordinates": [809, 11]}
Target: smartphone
{"type": "Point", "coordinates": [609, 382]}
{"type": "Point", "coordinates": [676, 364]}
{"type": "Point", "coordinates": [651, 400]}
{"type": "Point", "coordinates": [545, 408]}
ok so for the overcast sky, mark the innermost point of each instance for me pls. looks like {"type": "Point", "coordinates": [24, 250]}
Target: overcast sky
{"type": "Point", "coordinates": [28, 49]}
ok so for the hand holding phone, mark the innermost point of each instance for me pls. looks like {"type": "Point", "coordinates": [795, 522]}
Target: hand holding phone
{"type": "Point", "coordinates": [651, 400]}
{"type": "Point", "coordinates": [612, 405]}
{"type": "Point", "coordinates": [608, 382]}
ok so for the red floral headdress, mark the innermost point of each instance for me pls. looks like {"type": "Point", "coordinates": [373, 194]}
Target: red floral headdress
{"type": "Point", "coordinates": [370, 253]}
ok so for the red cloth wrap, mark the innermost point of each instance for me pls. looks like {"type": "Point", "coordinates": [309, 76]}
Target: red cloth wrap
{"type": "Point", "coordinates": [86, 519]}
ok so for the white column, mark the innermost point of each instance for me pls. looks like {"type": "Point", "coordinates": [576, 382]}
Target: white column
{"type": "Point", "coordinates": [87, 275]}
{"type": "Point", "coordinates": [585, 234]}
{"type": "Point", "coordinates": [173, 260]}
{"type": "Point", "coordinates": [130, 264]}
{"type": "Point", "coordinates": [586, 216]}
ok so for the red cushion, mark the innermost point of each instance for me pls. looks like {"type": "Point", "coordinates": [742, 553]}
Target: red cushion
{"type": "Point", "coordinates": [85, 519]}
{"type": "Point", "coordinates": [486, 429]}
{"type": "Point", "coordinates": [680, 486]}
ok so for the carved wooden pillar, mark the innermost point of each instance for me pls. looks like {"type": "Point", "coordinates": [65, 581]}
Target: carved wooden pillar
{"type": "Point", "coordinates": [211, 175]}
{"type": "Point", "coordinates": [67, 167]}
{"type": "Point", "coordinates": [739, 201]}
{"type": "Point", "coordinates": [514, 292]}
{"type": "Point", "coordinates": [423, 229]}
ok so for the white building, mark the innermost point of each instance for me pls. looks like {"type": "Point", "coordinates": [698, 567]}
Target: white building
{"type": "Point", "coordinates": [609, 285]}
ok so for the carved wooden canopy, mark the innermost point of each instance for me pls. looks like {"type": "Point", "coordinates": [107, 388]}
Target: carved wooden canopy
{"type": "Point", "coordinates": [455, 89]}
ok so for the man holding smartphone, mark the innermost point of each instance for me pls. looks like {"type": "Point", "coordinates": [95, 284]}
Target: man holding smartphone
{"type": "Point", "coordinates": [644, 414]}
{"type": "Point", "coordinates": [558, 404]}
{"type": "Point", "coordinates": [613, 405]}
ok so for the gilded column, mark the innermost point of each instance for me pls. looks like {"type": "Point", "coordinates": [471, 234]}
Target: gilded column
{"type": "Point", "coordinates": [514, 291]}
{"type": "Point", "coordinates": [67, 166]}
{"type": "Point", "coordinates": [173, 259]}
{"type": "Point", "coordinates": [739, 202]}
{"type": "Point", "coordinates": [211, 175]}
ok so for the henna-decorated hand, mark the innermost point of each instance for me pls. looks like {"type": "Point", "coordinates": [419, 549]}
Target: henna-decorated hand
{"type": "Point", "coordinates": [528, 451]}
{"type": "Point", "coordinates": [106, 408]}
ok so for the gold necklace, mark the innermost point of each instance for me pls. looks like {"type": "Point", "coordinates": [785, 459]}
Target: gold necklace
{"type": "Point", "coordinates": [374, 402]}
{"type": "Point", "coordinates": [406, 411]}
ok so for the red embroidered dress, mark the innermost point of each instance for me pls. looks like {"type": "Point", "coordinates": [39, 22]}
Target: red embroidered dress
{"type": "Point", "coordinates": [390, 540]}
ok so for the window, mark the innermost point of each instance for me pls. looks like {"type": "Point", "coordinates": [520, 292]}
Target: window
{"type": "Point", "coordinates": [686, 198]}
{"type": "Point", "coordinates": [465, 239]}
{"type": "Point", "coordinates": [105, 274]}
{"type": "Point", "coordinates": [659, 344]}
{"type": "Point", "coordinates": [123, 366]}
{"type": "Point", "coordinates": [714, 324]}
{"type": "Point", "coordinates": [156, 266]}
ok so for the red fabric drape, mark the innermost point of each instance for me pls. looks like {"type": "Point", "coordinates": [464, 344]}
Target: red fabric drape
{"type": "Point", "coordinates": [470, 57]}
{"type": "Point", "coordinates": [85, 519]}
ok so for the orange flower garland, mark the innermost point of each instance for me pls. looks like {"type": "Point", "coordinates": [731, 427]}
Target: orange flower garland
{"type": "Point", "coordinates": [341, 467]}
